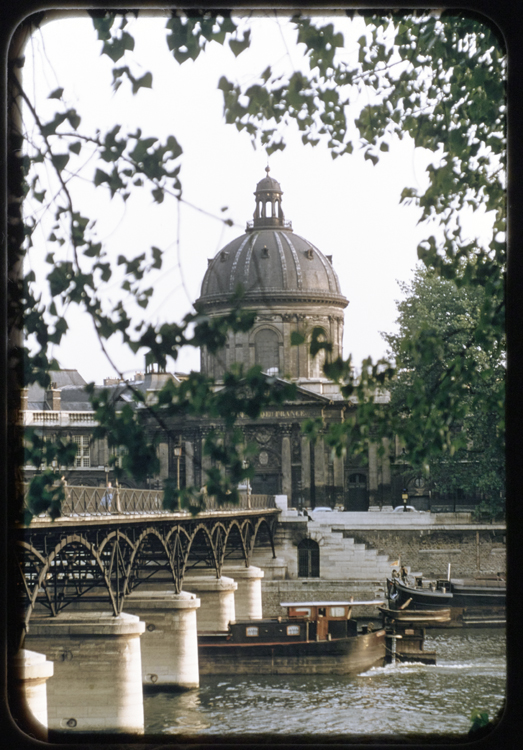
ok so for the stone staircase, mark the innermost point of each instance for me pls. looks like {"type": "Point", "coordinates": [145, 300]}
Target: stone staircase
{"type": "Point", "coordinates": [343, 558]}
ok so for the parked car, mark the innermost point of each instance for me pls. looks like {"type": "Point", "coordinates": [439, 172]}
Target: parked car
{"type": "Point", "coordinates": [321, 509]}
{"type": "Point", "coordinates": [410, 509]}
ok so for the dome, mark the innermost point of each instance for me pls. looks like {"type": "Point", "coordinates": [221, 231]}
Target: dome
{"type": "Point", "coordinates": [270, 262]}
{"type": "Point", "coordinates": [268, 183]}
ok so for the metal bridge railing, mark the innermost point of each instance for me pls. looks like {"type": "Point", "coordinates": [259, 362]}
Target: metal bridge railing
{"type": "Point", "coordinates": [106, 501]}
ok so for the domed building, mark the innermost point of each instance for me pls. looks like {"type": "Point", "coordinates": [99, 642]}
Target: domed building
{"type": "Point", "coordinates": [291, 285]}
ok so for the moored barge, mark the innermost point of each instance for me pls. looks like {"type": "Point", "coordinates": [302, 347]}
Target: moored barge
{"type": "Point", "coordinates": [314, 638]}
{"type": "Point", "coordinates": [471, 602]}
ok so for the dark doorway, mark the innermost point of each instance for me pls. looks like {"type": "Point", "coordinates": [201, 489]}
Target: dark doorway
{"type": "Point", "coordinates": [308, 559]}
{"type": "Point", "coordinates": [266, 484]}
{"type": "Point", "coordinates": [358, 499]}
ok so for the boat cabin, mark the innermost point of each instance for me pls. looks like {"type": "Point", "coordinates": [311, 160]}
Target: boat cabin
{"type": "Point", "coordinates": [329, 618]}
{"type": "Point", "coordinates": [305, 621]}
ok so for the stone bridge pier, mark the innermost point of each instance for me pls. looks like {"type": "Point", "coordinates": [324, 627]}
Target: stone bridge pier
{"type": "Point", "coordinates": [102, 662]}
{"type": "Point", "coordinates": [29, 700]}
{"type": "Point", "coordinates": [169, 644]}
{"type": "Point", "coordinates": [97, 681]}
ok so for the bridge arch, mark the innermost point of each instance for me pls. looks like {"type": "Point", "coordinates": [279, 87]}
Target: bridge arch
{"type": "Point", "coordinates": [49, 568]}
{"type": "Point", "coordinates": [56, 566]}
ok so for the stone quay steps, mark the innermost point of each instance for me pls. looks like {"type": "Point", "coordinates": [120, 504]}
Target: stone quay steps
{"type": "Point", "coordinates": [346, 557]}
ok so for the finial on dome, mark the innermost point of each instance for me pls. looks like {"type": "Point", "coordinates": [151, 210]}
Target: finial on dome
{"type": "Point", "coordinates": [267, 168]}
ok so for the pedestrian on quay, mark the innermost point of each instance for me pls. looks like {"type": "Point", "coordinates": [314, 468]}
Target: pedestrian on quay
{"type": "Point", "coordinates": [403, 574]}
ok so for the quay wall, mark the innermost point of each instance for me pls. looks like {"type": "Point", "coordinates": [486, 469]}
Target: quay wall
{"type": "Point", "coordinates": [366, 548]}
{"type": "Point", "coordinates": [478, 550]}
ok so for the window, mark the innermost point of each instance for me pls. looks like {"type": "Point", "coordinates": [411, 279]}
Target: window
{"type": "Point", "coordinates": [293, 629]}
{"type": "Point", "coordinates": [358, 480]}
{"type": "Point", "coordinates": [267, 350]}
{"type": "Point", "coordinates": [83, 452]}
{"type": "Point", "coordinates": [251, 631]}
{"type": "Point", "coordinates": [337, 611]}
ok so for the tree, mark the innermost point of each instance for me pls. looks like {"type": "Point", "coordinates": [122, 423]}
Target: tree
{"type": "Point", "coordinates": [436, 322]}
{"type": "Point", "coordinates": [436, 77]}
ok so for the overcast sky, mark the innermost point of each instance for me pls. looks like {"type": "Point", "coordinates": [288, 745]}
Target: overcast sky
{"type": "Point", "coordinates": [347, 207]}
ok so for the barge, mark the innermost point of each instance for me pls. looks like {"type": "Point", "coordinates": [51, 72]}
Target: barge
{"type": "Point", "coordinates": [475, 602]}
{"type": "Point", "coordinates": [314, 638]}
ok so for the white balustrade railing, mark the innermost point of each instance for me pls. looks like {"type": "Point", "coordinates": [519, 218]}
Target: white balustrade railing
{"type": "Point", "coordinates": [58, 418]}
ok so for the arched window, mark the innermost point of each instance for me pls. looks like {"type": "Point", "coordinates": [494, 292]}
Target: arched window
{"type": "Point", "coordinates": [267, 349]}
{"type": "Point", "coordinates": [358, 480]}
{"type": "Point", "coordinates": [308, 559]}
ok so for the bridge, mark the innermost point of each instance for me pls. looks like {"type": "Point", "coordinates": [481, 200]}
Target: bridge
{"type": "Point", "coordinates": [80, 667]}
{"type": "Point", "coordinates": [104, 547]}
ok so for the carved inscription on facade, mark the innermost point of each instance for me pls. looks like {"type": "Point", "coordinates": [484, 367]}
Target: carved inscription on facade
{"type": "Point", "coordinates": [294, 413]}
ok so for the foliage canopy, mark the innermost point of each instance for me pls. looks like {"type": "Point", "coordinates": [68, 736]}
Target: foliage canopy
{"type": "Point", "coordinates": [436, 77]}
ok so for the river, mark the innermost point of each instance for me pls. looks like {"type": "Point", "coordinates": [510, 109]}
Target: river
{"type": "Point", "coordinates": [395, 700]}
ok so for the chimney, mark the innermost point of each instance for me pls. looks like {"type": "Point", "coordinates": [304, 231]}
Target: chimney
{"type": "Point", "coordinates": [53, 398]}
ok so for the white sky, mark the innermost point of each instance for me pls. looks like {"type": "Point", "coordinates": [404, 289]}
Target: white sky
{"type": "Point", "coordinates": [347, 207]}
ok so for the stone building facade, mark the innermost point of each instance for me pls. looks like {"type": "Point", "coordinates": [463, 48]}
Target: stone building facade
{"type": "Point", "coordinates": [293, 288]}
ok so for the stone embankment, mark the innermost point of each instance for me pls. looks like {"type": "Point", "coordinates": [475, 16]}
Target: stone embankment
{"type": "Point", "coordinates": [357, 551]}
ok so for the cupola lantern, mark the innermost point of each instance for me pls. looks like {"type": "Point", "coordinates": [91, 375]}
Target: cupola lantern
{"type": "Point", "coordinates": [268, 211]}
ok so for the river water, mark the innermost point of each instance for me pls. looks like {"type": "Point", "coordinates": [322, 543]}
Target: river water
{"type": "Point", "coordinates": [396, 700]}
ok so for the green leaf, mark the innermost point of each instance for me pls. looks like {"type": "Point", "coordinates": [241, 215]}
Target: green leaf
{"type": "Point", "coordinates": [74, 118]}
{"type": "Point", "coordinates": [239, 45]}
{"type": "Point", "coordinates": [158, 195]}
{"type": "Point", "coordinates": [297, 338]}
{"type": "Point", "coordinates": [50, 127]}
{"type": "Point", "coordinates": [157, 255]}
{"type": "Point", "coordinates": [100, 176]}
{"type": "Point", "coordinates": [59, 161]}
{"type": "Point", "coordinates": [146, 81]}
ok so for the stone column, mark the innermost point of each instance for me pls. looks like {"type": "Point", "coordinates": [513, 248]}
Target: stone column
{"type": "Point", "coordinates": [163, 456]}
{"type": "Point", "coordinates": [319, 471]}
{"type": "Point", "coordinates": [338, 472]}
{"type": "Point", "coordinates": [189, 463]}
{"type": "Point", "coordinates": [206, 461]}
{"type": "Point", "coordinates": [248, 597]}
{"type": "Point", "coordinates": [286, 488]}
{"type": "Point", "coordinates": [169, 645]}
{"type": "Point", "coordinates": [306, 470]}
{"type": "Point", "coordinates": [385, 474]}
{"type": "Point", "coordinates": [373, 474]}
{"type": "Point", "coordinates": [97, 682]}
{"type": "Point", "coordinates": [29, 702]}
{"type": "Point", "coordinates": [217, 600]}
